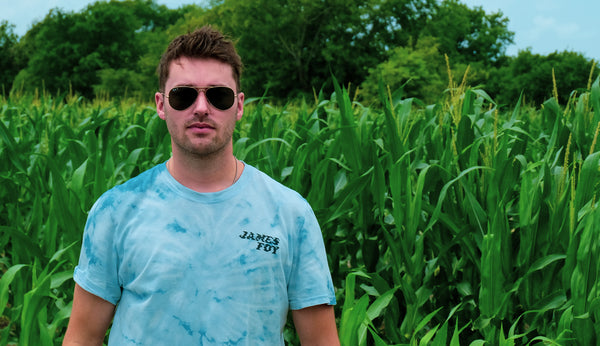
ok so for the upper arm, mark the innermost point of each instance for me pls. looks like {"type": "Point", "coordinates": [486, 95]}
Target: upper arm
{"type": "Point", "coordinates": [315, 325]}
{"type": "Point", "coordinates": [90, 318]}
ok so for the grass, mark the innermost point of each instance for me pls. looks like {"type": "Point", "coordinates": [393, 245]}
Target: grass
{"type": "Point", "coordinates": [453, 223]}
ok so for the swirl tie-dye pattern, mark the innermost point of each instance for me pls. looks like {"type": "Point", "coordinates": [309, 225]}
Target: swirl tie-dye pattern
{"type": "Point", "coordinates": [187, 268]}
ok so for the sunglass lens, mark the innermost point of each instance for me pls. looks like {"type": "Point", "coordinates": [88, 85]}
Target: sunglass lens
{"type": "Point", "coordinates": [182, 97]}
{"type": "Point", "coordinates": [220, 97]}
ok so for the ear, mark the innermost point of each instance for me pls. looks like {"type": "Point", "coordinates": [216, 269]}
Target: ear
{"type": "Point", "coordinates": [240, 106]}
{"type": "Point", "coordinates": [159, 98]}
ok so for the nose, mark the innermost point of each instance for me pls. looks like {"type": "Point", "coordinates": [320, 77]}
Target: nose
{"type": "Point", "coordinates": [201, 104]}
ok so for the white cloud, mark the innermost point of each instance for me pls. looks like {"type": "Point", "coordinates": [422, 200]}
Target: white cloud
{"type": "Point", "coordinates": [545, 24]}
{"type": "Point", "coordinates": [540, 27]}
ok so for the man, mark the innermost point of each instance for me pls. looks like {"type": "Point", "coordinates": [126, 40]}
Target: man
{"type": "Point", "coordinates": [203, 249]}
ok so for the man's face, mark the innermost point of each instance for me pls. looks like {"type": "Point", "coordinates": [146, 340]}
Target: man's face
{"type": "Point", "coordinates": [200, 130]}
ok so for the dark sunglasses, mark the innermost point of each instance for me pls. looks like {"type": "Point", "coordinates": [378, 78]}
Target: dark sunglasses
{"type": "Point", "coordinates": [220, 97]}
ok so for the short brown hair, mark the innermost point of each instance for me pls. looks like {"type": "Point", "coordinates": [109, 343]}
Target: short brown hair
{"type": "Point", "coordinates": [203, 43]}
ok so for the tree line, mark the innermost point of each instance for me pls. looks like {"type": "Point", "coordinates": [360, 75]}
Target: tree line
{"type": "Point", "coordinates": [290, 48]}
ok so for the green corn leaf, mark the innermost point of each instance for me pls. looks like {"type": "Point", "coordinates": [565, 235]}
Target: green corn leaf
{"type": "Point", "coordinates": [377, 307]}
{"type": "Point", "coordinates": [59, 278]}
{"type": "Point", "coordinates": [77, 179]}
{"type": "Point", "coordinates": [5, 281]}
{"type": "Point", "coordinates": [436, 213]}
{"type": "Point", "coordinates": [9, 141]}
{"type": "Point", "coordinates": [33, 304]}
{"type": "Point", "coordinates": [441, 336]}
{"type": "Point", "coordinates": [377, 339]}
{"type": "Point", "coordinates": [352, 323]}
{"type": "Point", "coordinates": [455, 340]}
{"type": "Point", "coordinates": [425, 321]}
{"type": "Point", "coordinates": [428, 336]}
{"type": "Point", "coordinates": [595, 99]}
{"type": "Point", "coordinates": [490, 293]}
{"type": "Point", "coordinates": [588, 185]}
{"type": "Point", "coordinates": [543, 262]}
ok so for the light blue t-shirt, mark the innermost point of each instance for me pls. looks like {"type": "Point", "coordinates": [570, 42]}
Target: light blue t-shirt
{"type": "Point", "coordinates": [189, 268]}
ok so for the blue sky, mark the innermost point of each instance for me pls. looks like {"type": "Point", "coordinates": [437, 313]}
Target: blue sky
{"type": "Point", "coordinates": [547, 26]}
{"type": "Point", "coordinates": [544, 26]}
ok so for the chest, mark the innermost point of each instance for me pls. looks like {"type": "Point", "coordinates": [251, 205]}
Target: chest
{"type": "Point", "coordinates": [199, 243]}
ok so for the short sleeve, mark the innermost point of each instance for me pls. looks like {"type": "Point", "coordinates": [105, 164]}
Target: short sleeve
{"type": "Point", "coordinates": [310, 281]}
{"type": "Point", "coordinates": [97, 270]}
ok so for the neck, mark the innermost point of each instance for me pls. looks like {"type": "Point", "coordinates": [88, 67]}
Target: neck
{"type": "Point", "coordinates": [203, 174]}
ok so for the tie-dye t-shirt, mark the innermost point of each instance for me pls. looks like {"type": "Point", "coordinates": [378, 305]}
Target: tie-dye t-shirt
{"type": "Point", "coordinates": [188, 268]}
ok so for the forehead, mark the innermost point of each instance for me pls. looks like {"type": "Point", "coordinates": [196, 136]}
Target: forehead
{"type": "Point", "coordinates": [199, 72]}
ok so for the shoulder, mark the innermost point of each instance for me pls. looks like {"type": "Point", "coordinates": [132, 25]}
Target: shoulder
{"type": "Point", "coordinates": [288, 206]}
{"type": "Point", "coordinates": [130, 190]}
{"type": "Point", "coordinates": [266, 186]}
{"type": "Point", "coordinates": [142, 182]}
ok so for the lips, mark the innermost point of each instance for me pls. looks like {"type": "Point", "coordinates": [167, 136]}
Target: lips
{"type": "Point", "coordinates": [201, 126]}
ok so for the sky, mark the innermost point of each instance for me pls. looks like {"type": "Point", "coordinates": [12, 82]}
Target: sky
{"type": "Point", "coordinates": [547, 26]}
{"type": "Point", "coordinates": [544, 26]}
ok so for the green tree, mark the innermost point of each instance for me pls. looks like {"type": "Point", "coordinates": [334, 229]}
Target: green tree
{"type": "Point", "coordinates": [531, 74]}
{"type": "Point", "coordinates": [8, 60]}
{"type": "Point", "coordinates": [413, 72]}
{"type": "Point", "coordinates": [396, 23]}
{"type": "Point", "coordinates": [469, 35]}
{"type": "Point", "coordinates": [291, 47]}
{"type": "Point", "coordinates": [68, 50]}
{"type": "Point", "coordinates": [141, 80]}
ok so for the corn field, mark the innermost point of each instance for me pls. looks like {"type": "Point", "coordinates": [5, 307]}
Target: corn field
{"type": "Point", "coordinates": [457, 223]}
